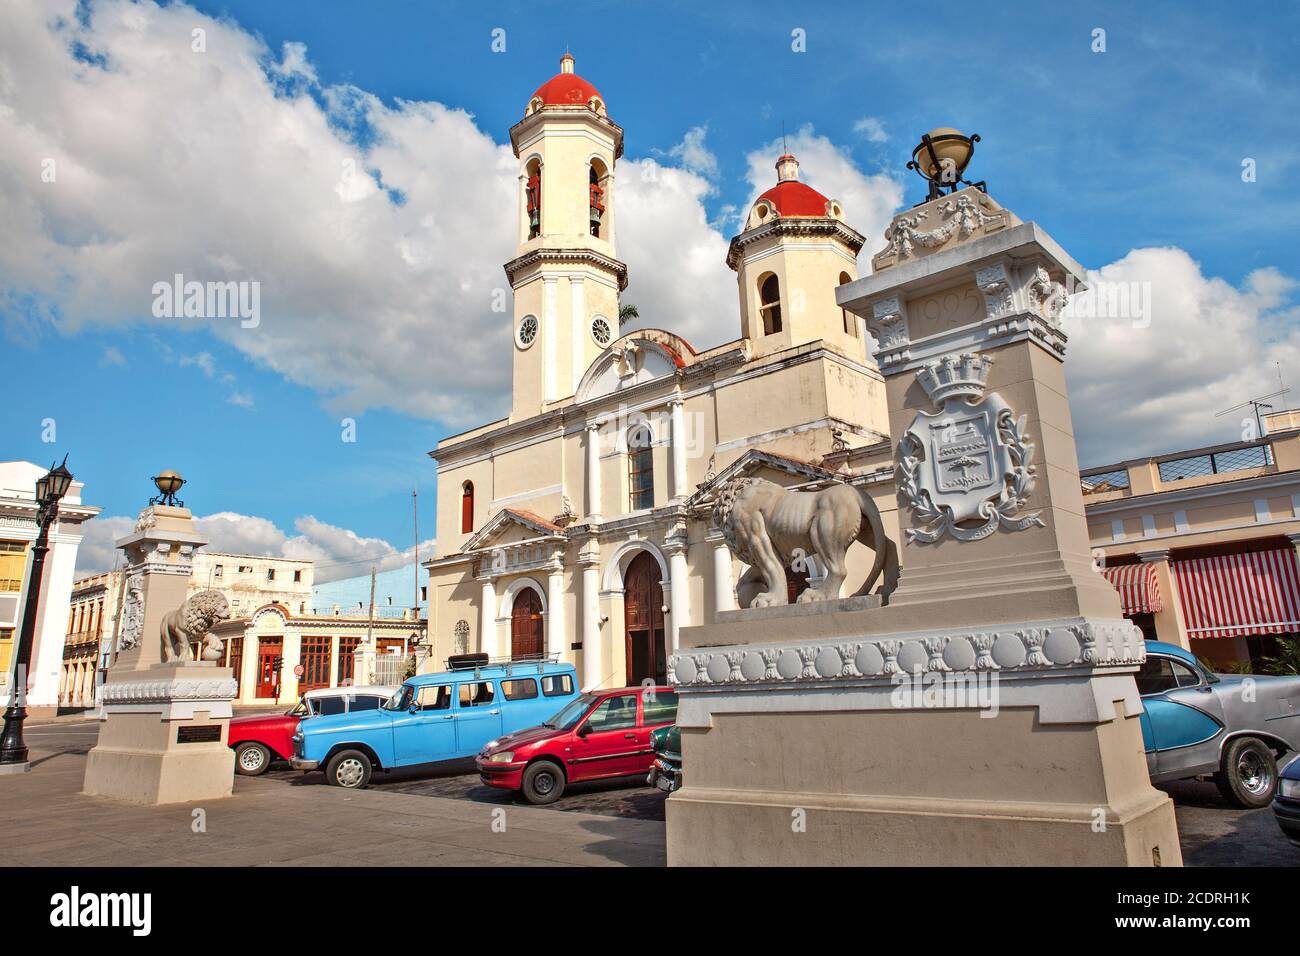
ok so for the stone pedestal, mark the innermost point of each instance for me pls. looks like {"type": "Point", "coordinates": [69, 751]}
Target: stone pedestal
{"type": "Point", "coordinates": [988, 715]}
{"type": "Point", "coordinates": [163, 736]}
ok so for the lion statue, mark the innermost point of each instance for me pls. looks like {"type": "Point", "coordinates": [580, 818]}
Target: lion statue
{"type": "Point", "coordinates": [768, 527]}
{"type": "Point", "coordinates": [191, 622]}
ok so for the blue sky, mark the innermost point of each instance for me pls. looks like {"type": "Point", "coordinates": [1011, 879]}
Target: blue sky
{"type": "Point", "coordinates": [1136, 148]}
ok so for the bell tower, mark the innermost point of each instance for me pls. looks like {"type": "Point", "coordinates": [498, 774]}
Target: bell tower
{"type": "Point", "coordinates": [794, 251]}
{"type": "Point", "coordinates": [566, 276]}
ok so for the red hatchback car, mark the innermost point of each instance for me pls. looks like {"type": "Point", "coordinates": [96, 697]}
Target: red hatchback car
{"type": "Point", "coordinates": [599, 735]}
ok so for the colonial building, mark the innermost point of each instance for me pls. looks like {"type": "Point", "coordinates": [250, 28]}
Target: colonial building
{"type": "Point", "coordinates": [278, 655]}
{"type": "Point", "coordinates": [578, 526]}
{"type": "Point", "coordinates": [1202, 544]}
{"type": "Point", "coordinates": [250, 581]}
{"type": "Point", "coordinates": [92, 626]}
{"type": "Point", "coordinates": [17, 532]}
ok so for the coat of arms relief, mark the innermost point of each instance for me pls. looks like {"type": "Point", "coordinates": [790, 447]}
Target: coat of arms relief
{"type": "Point", "coordinates": [966, 469]}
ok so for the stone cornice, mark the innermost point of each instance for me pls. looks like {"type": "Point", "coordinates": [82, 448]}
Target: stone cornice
{"type": "Point", "coordinates": [794, 226]}
{"type": "Point", "coordinates": [590, 256]}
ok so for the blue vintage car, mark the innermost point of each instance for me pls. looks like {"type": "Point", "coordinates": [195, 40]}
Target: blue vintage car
{"type": "Point", "coordinates": [1231, 726]}
{"type": "Point", "coordinates": [432, 718]}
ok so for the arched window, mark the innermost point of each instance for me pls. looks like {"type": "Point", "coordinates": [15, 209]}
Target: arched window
{"type": "Point", "coordinates": [640, 459]}
{"type": "Point", "coordinates": [596, 199]}
{"type": "Point", "coordinates": [533, 194]}
{"type": "Point", "coordinates": [467, 507]}
{"type": "Point", "coordinates": [769, 309]}
{"type": "Point", "coordinates": [850, 320]}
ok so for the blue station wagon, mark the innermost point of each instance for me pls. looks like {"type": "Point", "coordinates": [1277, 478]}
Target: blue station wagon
{"type": "Point", "coordinates": [434, 717]}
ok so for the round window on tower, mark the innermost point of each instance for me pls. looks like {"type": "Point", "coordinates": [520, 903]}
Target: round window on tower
{"type": "Point", "coordinates": [600, 331]}
{"type": "Point", "coordinates": [527, 331]}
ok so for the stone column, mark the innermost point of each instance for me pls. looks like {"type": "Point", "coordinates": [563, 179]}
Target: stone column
{"type": "Point", "coordinates": [556, 632]}
{"type": "Point", "coordinates": [1170, 626]}
{"type": "Point", "coordinates": [997, 592]}
{"type": "Point", "coordinates": [679, 440]}
{"type": "Point", "coordinates": [487, 617]}
{"type": "Point", "coordinates": [679, 601]}
{"type": "Point", "coordinates": [165, 723]}
{"type": "Point", "coordinates": [592, 657]}
{"type": "Point", "coordinates": [724, 588]}
{"type": "Point", "coordinates": [593, 472]}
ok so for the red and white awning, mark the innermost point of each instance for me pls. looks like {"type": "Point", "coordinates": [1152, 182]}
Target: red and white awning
{"type": "Point", "coordinates": [1138, 589]}
{"type": "Point", "coordinates": [1233, 595]}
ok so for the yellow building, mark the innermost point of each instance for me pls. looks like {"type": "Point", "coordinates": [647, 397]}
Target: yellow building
{"type": "Point", "coordinates": [578, 526]}
{"type": "Point", "coordinates": [1202, 544]}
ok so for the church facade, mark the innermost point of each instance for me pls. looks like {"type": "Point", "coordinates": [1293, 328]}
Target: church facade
{"type": "Point", "coordinates": [579, 526]}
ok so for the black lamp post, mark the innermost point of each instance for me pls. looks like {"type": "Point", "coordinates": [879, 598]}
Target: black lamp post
{"type": "Point", "coordinates": [49, 490]}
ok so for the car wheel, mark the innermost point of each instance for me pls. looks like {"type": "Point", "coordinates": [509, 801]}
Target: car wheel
{"type": "Point", "coordinates": [251, 759]}
{"type": "Point", "coordinates": [1247, 773]}
{"type": "Point", "coordinates": [349, 769]}
{"type": "Point", "coordinates": [543, 783]}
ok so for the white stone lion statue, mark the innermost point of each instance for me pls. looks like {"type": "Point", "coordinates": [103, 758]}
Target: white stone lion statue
{"type": "Point", "coordinates": [769, 527]}
{"type": "Point", "coordinates": [191, 622]}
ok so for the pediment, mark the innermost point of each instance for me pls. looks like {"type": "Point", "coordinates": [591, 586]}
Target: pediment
{"type": "Point", "coordinates": [511, 526]}
{"type": "Point", "coordinates": [634, 359]}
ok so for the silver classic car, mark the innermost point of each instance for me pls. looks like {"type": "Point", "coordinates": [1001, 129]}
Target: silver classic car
{"type": "Point", "coordinates": [1234, 727]}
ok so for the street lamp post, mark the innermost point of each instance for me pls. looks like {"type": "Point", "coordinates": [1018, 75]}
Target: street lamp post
{"type": "Point", "coordinates": [49, 490]}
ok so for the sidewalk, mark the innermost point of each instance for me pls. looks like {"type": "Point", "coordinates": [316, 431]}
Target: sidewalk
{"type": "Point", "coordinates": [47, 822]}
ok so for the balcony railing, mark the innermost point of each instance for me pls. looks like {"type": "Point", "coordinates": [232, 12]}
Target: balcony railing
{"type": "Point", "coordinates": [1217, 463]}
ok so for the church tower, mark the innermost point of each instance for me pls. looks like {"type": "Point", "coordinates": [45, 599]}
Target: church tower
{"type": "Point", "coordinates": [566, 276]}
{"type": "Point", "coordinates": [794, 251]}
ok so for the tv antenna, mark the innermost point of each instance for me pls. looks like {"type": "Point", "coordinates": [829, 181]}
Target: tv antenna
{"type": "Point", "coordinates": [1256, 404]}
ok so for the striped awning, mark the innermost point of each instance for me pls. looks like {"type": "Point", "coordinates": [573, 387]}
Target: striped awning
{"type": "Point", "coordinates": [1234, 595]}
{"type": "Point", "coordinates": [1138, 589]}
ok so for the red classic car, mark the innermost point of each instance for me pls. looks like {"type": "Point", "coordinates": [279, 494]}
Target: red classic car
{"type": "Point", "coordinates": [598, 735]}
{"type": "Point", "coordinates": [260, 738]}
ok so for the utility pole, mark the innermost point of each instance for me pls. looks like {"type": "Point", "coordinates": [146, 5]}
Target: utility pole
{"type": "Point", "coordinates": [415, 518]}
{"type": "Point", "coordinates": [370, 617]}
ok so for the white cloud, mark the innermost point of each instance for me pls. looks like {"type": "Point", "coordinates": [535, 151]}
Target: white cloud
{"type": "Point", "coordinates": [869, 199]}
{"type": "Point", "coordinates": [694, 155]}
{"type": "Point", "coordinates": [871, 128]}
{"type": "Point", "coordinates": [677, 271]}
{"type": "Point", "coordinates": [1144, 385]}
{"type": "Point", "coordinates": [336, 552]}
{"type": "Point", "coordinates": [202, 361]}
{"type": "Point", "coordinates": [112, 356]}
{"type": "Point", "coordinates": [375, 230]}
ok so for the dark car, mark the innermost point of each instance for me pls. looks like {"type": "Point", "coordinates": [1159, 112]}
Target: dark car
{"type": "Point", "coordinates": [1286, 805]}
{"type": "Point", "coordinates": [666, 770]}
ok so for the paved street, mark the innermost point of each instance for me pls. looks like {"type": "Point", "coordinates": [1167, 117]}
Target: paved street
{"type": "Point", "coordinates": [275, 820]}
{"type": "Point", "coordinates": [289, 818]}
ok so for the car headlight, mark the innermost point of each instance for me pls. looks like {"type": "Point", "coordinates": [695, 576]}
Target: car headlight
{"type": "Point", "coordinates": [1289, 789]}
{"type": "Point", "coordinates": [504, 756]}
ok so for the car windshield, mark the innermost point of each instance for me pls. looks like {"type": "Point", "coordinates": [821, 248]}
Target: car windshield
{"type": "Point", "coordinates": [569, 715]}
{"type": "Point", "coordinates": [400, 700]}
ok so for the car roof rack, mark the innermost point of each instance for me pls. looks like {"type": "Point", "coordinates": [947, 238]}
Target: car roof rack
{"type": "Point", "coordinates": [521, 664]}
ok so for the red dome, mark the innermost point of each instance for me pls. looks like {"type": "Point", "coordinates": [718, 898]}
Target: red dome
{"type": "Point", "coordinates": [566, 88]}
{"type": "Point", "coordinates": [793, 198]}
